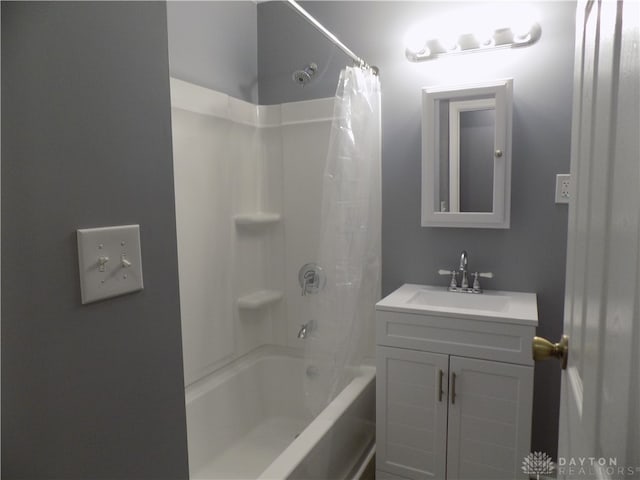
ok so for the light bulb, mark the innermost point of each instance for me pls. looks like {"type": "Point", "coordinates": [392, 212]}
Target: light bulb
{"type": "Point", "coordinates": [448, 40]}
{"type": "Point", "coordinates": [414, 40]}
{"type": "Point", "coordinates": [522, 20]}
{"type": "Point", "coordinates": [521, 28]}
{"type": "Point", "coordinates": [484, 36]}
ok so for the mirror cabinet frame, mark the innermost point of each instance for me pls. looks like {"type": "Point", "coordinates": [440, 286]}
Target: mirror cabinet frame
{"type": "Point", "coordinates": [498, 93]}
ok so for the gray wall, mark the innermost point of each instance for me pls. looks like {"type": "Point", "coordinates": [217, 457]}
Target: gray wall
{"type": "Point", "coordinates": [214, 44]}
{"type": "Point", "coordinates": [90, 391]}
{"type": "Point", "coordinates": [528, 257]}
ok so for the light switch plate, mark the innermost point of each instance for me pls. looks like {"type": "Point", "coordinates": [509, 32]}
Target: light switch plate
{"type": "Point", "coordinates": [563, 185]}
{"type": "Point", "coordinates": [110, 262]}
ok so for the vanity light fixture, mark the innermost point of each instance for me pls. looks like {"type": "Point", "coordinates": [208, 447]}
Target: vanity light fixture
{"type": "Point", "coordinates": [481, 31]}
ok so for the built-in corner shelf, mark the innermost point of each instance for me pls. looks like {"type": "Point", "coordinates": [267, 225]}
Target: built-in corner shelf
{"type": "Point", "coordinates": [259, 299]}
{"type": "Point", "coordinates": [257, 219]}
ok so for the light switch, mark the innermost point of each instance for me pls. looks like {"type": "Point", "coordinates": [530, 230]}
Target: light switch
{"type": "Point", "coordinates": [110, 262]}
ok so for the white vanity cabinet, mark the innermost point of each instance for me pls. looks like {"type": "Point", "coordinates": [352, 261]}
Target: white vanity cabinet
{"type": "Point", "coordinates": [454, 384]}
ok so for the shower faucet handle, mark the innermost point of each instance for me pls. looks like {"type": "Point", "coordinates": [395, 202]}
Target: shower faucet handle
{"type": "Point", "coordinates": [309, 281]}
{"type": "Point", "coordinates": [311, 278]}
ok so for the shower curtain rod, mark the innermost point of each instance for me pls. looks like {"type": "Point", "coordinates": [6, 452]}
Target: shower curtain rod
{"type": "Point", "coordinates": [330, 36]}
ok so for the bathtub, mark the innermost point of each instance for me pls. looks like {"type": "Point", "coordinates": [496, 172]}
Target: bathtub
{"type": "Point", "coordinates": [249, 420]}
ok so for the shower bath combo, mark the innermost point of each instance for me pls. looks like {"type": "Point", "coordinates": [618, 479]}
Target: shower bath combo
{"type": "Point", "coordinates": [251, 371]}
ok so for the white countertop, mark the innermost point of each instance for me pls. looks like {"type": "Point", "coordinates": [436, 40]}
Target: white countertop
{"type": "Point", "coordinates": [491, 305]}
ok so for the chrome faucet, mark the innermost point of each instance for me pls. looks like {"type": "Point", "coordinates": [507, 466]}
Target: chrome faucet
{"type": "Point", "coordinates": [306, 329]}
{"type": "Point", "coordinates": [464, 277]}
{"type": "Point", "coordinates": [464, 274]}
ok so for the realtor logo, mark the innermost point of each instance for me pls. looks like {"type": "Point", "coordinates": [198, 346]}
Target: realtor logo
{"type": "Point", "coordinates": [537, 463]}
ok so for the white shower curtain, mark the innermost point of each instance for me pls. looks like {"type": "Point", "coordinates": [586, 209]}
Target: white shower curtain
{"type": "Point", "coordinates": [349, 248]}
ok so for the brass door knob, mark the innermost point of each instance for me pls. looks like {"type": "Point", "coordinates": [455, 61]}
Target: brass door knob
{"type": "Point", "coordinates": [543, 349]}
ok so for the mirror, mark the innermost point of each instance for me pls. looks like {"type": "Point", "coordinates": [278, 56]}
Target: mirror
{"type": "Point", "coordinates": [466, 155]}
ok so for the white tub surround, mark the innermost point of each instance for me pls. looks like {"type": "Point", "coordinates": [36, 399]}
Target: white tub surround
{"type": "Point", "coordinates": [249, 420]}
{"type": "Point", "coordinates": [247, 182]}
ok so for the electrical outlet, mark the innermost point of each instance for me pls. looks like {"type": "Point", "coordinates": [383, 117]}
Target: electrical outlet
{"type": "Point", "coordinates": [563, 185]}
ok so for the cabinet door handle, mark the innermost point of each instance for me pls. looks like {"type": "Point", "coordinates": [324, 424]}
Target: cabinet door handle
{"type": "Point", "coordinates": [453, 388]}
{"type": "Point", "coordinates": [440, 392]}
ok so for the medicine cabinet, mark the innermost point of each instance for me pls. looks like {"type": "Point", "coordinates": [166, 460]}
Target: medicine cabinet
{"type": "Point", "coordinates": [466, 155]}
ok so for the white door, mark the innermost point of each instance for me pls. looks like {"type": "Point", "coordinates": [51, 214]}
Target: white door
{"type": "Point", "coordinates": [600, 412]}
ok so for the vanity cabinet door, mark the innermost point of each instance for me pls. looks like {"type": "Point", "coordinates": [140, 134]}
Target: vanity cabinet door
{"type": "Point", "coordinates": [489, 419]}
{"type": "Point", "coordinates": [411, 418]}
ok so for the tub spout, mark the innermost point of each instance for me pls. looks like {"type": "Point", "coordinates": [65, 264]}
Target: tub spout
{"type": "Point", "coordinates": [306, 329]}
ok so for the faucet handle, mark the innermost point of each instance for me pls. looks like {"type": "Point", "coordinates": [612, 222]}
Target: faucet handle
{"type": "Point", "coordinates": [476, 283]}
{"type": "Point", "coordinates": [453, 284]}
{"type": "Point", "coordinates": [309, 280]}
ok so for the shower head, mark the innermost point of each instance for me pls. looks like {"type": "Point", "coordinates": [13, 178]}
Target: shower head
{"type": "Point", "coordinates": [301, 77]}
{"type": "Point", "coordinates": [304, 76]}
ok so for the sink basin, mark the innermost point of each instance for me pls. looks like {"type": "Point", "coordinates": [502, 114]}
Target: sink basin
{"type": "Point", "coordinates": [491, 304]}
{"type": "Point", "coordinates": [490, 301]}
